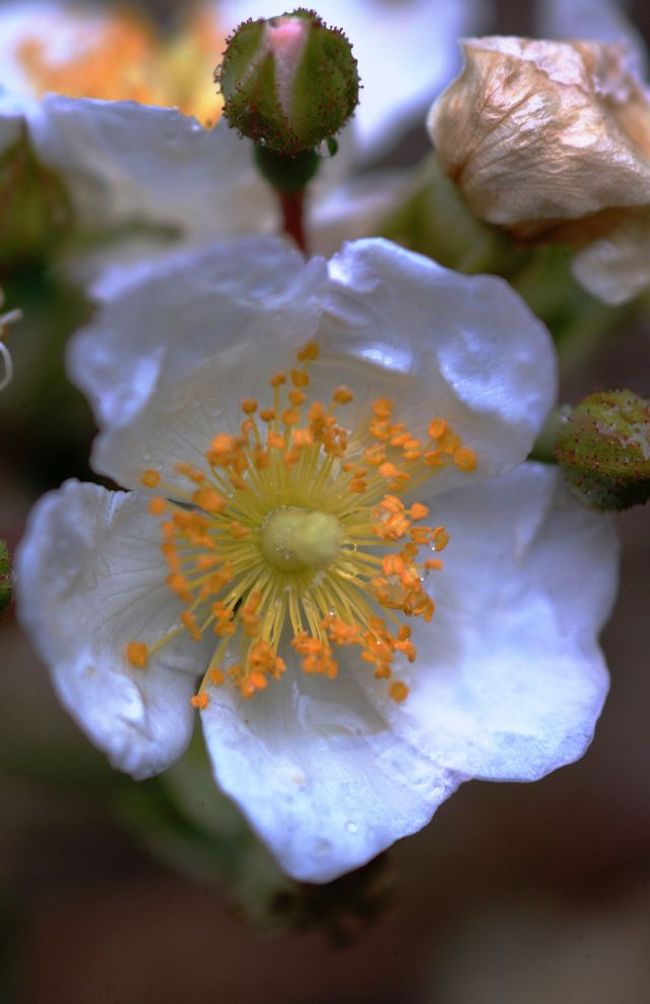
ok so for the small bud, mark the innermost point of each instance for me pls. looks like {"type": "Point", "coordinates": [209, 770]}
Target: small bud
{"type": "Point", "coordinates": [551, 141]}
{"type": "Point", "coordinates": [604, 450]}
{"type": "Point", "coordinates": [6, 589]}
{"type": "Point", "coordinates": [290, 82]}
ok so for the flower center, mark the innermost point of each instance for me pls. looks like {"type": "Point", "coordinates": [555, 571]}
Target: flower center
{"type": "Point", "coordinates": [296, 533]}
{"type": "Point", "coordinates": [293, 539]}
{"type": "Point", "coordinates": [126, 59]}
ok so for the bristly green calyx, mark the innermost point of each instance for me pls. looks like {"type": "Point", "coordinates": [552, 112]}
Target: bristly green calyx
{"type": "Point", "coordinates": [289, 83]}
{"type": "Point", "coordinates": [604, 450]}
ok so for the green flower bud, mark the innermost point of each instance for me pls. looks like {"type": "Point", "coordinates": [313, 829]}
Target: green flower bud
{"type": "Point", "coordinates": [6, 589]}
{"type": "Point", "coordinates": [604, 450]}
{"type": "Point", "coordinates": [34, 209]}
{"type": "Point", "coordinates": [289, 82]}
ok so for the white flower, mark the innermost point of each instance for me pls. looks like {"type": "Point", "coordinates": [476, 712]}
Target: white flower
{"type": "Point", "coordinates": [342, 710]}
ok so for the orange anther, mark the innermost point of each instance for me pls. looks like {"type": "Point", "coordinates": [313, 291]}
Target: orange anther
{"type": "Point", "coordinates": [278, 379]}
{"type": "Point", "coordinates": [200, 700]}
{"type": "Point", "coordinates": [437, 428]}
{"type": "Point", "coordinates": [216, 677]}
{"type": "Point", "coordinates": [465, 459]}
{"type": "Point", "coordinates": [398, 691]}
{"type": "Point", "coordinates": [188, 621]}
{"type": "Point", "coordinates": [299, 378]}
{"type": "Point", "coordinates": [275, 440]}
{"type": "Point", "coordinates": [137, 654]}
{"type": "Point", "coordinates": [439, 538]}
{"type": "Point", "coordinates": [157, 506]}
{"type": "Point", "coordinates": [358, 486]}
{"type": "Point", "coordinates": [308, 352]}
{"type": "Point", "coordinates": [206, 561]}
{"type": "Point", "coordinates": [209, 499]}
{"type": "Point", "coordinates": [418, 511]}
{"type": "Point", "coordinates": [297, 397]}
{"type": "Point", "coordinates": [267, 414]}
{"type": "Point", "coordinates": [249, 406]}
{"type": "Point", "coordinates": [389, 470]}
{"type": "Point", "coordinates": [189, 472]}
{"type": "Point", "coordinates": [449, 443]}
{"type": "Point", "coordinates": [290, 416]}
{"type": "Point", "coordinates": [302, 437]}
{"type": "Point", "coordinates": [179, 585]}
{"type": "Point", "coordinates": [150, 478]}
{"type": "Point", "coordinates": [343, 395]}
{"type": "Point", "coordinates": [382, 407]}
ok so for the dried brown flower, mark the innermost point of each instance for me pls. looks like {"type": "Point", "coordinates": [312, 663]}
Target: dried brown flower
{"type": "Point", "coordinates": [551, 140]}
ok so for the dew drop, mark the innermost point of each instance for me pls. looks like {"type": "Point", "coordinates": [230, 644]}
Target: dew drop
{"type": "Point", "coordinates": [351, 826]}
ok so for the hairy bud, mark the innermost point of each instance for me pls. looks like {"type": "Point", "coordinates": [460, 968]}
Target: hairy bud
{"type": "Point", "coordinates": [604, 450]}
{"type": "Point", "coordinates": [289, 82]}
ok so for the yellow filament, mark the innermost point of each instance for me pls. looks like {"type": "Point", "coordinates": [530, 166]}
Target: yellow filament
{"type": "Point", "coordinates": [301, 535]}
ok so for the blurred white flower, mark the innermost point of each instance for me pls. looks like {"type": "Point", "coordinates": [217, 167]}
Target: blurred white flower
{"type": "Point", "coordinates": [593, 20]}
{"type": "Point", "coordinates": [300, 441]}
{"type": "Point", "coordinates": [142, 175]}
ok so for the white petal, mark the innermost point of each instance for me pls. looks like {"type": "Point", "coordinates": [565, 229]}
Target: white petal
{"type": "Point", "coordinates": [90, 578]}
{"type": "Point", "coordinates": [510, 680]}
{"type": "Point", "coordinates": [127, 163]}
{"type": "Point", "coordinates": [616, 268]}
{"type": "Point", "coordinates": [407, 52]}
{"type": "Point", "coordinates": [179, 349]}
{"type": "Point", "coordinates": [169, 361]}
{"type": "Point", "coordinates": [319, 775]}
{"type": "Point", "coordinates": [466, 348]}
{"type": "Point", "coordinates": [508, 685]}
{"type": "Point", "coordinates": [179, 309]}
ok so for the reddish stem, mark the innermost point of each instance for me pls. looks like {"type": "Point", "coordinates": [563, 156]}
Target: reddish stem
{"type": "Point", "coordinates": [292, 205]}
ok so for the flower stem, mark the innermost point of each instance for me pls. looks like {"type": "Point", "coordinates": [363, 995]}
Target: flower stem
{"type": "Point", "coordinates": [292, 205]}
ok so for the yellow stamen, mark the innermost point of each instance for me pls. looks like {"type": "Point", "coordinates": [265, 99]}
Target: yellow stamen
{"type": "Point", "coordinates": [302, 538]}
{"type": "Point", "coordinates": [137, 654]}
{"type": "Point", "coordinates": [150, 478]}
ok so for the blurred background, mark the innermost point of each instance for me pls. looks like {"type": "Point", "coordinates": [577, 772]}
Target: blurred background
{"type": "Point", "coordinates": [116, 893]}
